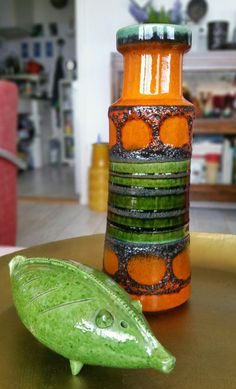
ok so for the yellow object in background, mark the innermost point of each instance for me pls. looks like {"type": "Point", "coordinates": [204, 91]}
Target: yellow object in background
{"type": "Point", "coordinates": [98, 178]}
{"type": "Point", "coordinates": [212, 168]}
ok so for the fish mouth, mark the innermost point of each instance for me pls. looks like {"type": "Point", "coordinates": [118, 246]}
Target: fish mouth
{"type": "Point", "coordinates": [164, 362]}
{"type": "Point", "coordinates": [168, 364]}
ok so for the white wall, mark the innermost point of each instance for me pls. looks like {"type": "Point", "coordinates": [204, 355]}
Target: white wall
{"type": "Point", "coordinates": [97, 23]}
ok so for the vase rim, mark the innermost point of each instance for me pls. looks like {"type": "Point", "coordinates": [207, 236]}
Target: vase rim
{"type": "Point", "coordinates": [161, 33]}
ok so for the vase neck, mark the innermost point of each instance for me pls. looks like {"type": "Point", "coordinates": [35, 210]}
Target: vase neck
{"type": "Point", "coordinates": [153, 73]}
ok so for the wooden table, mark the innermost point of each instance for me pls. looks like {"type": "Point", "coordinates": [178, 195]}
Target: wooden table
{"type": "Point", "coordinates": [201, 333]}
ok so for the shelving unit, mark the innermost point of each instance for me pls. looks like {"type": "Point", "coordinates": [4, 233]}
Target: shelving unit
{"type": "Point", "coordinates": [31, 83]}
{"type": "Point", "coordinates": [209, 61]}
{"type": "Point", "coordinates": [213, 61]}
{"type": "Point", "coordinates": [215, 126]}
{"type": "Point", "coordinates": [25, 77]}
{"type": "Point", "coordinates": [66, 121]}
{"type": "Point", "coordinates": [218, 192]}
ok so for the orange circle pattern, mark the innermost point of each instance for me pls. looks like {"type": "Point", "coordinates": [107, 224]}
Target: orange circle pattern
{"type": "Point", "coordinates": [110, 261]}
{"type": "Point", "coordinates": [181, 265]}
{"type": "Point", "coordinates": [175, 131]}
{"type": "Point", "coordinates": [136, 135]}
{"type": "Point", "coordinates": [146, 270]}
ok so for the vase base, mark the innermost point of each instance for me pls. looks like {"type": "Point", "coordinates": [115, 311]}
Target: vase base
{"type": "Point", "coordinates": [163, 302]}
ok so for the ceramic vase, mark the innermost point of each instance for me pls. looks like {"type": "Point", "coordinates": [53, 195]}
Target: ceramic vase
{"type": "Point", "coordinates": [147, 237]}
{"type": "Point", "coordinates": [98, 178]}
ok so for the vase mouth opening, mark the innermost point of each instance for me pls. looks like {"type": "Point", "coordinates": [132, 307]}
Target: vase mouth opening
{"type": "Point", "coordinates": [154, 33]}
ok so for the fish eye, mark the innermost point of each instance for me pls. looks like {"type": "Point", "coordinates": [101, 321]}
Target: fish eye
{"type": "Point", "coordinates": [104, 319]}
{"type": "Point", "coordinates": [124, 324]}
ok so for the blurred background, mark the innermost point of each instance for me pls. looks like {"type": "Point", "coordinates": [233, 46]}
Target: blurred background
{"type": "Point", "coordinates": [62, 56]}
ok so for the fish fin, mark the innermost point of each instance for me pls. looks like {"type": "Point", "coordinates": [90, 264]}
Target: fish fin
{"type": "Point", "coordinates": [75, 366]}
{"type": "Point", "coordinates": [138, 305]}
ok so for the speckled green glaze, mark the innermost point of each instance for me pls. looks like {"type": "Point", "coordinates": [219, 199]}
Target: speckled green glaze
{"type": "Point", "coordinates": [84, 315]}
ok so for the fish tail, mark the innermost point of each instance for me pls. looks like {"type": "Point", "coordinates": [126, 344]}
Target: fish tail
{"type": "Point", "coordinates": [15, 262]}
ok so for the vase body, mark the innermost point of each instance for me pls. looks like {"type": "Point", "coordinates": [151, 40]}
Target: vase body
{"type": "Point", "coordinates": [147, 237]}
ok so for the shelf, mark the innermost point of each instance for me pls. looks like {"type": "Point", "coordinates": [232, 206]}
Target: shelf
{"type": "Point", "coordinates": [215, 126]}
{"type": "Point", "coordinates": [208, 61]}
{"type": "Point", "coordinates": [24, 77]}
{"type": "Point", "coordinates": [66, 109]}
{"type": "Point", "coordinates": [217, 192]}
{"type": "Point", "coordinates": [66, 112]}
{"type": "Point", "coordinates": [218, 61]}
{"type": "Point", "coordinates": [66, 81]}
{"type": "Point", "coordinates": [68, 161]}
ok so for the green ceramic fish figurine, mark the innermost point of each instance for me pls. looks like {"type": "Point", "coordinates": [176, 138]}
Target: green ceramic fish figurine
{"type": "Point", "coordinates": [82, 314]}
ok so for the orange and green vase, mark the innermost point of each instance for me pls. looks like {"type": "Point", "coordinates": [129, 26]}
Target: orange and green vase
{"type": "Point", "coordinates": [147, 236]}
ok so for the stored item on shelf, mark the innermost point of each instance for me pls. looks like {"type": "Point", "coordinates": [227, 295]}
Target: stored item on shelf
{"type": "Point", "coordinates": [68, 129]}
{"type": "Point", "coordinates": [234, 93]}
{"type": "Point", "coordinates": [217, 35]}
{"type": "Point", "coordinates": [67, 95]}
{"type": "Point", "coordinates": [98, 177]}
{"type": "Point", "coordinates": [28, 88]}
{"type": "Point", "coordinates": [198, 107]}
{"type": "Point", "coordinates": [234, 166]}
{"type": "Point", "coordinates": [216, 96]}
{"type": "Point", "coordinates": [12, 65]}
{"type": "Point", "coordinates": [218, 101]}
{"type": "Point", "coordinates": [147, 236]}
{"type": "Point", "coordinates": [199, 42]}
{"type": "Point", "coordinates": [187, 93]}
{"type": "Point", "coordinates": [25, 136]}
{"type": "Point", "coordinates": [227, 113]}
{"type": "Point", "coordinates": [212, 168]}
{"type": "Point", "coordinates": [55, 151]}
{"type": "Point", "coordinates": [204, 146]}
{"type": "Point", "coordinates": [66, 120]}
{"type": "Point", "coordinates": [208, 106]}
{"type": "Point", "coordinates": [69, 147]}
{"type": "Point", "coordinates": [33, 67]}
{"type": "Point", "coordinates": [223, 105]}
{"type": "Point", "coordinates": [227, 163]}
{"type": "Point", "coordinates": [198, 170]}
{"type": "Point", "coordinates": [202, 39]}
{"type": "Point", "coordinates": [70, 69]}
{"type": "Point", "coordinates": [196, 10]}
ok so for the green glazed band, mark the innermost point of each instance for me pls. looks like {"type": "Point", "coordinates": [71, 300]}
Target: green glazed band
{"type": "Point", "coordinates": [147, 192]}
{"type": "Point", "coordinates": [142, 237]}
{"type": "Point", "coordinates": [153, 214]}
{"type": "Point", "coordinates": [150, 168]}
{"type": "Point", "coordinates": [147, 223]}
{"type": "Point", "coordinates": [148, 203]}
{"type": "Point", "coordinates": [149, 182]}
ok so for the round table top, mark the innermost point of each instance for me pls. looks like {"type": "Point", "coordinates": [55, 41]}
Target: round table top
{"type": "Point", "coordinates": [200, 333]}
